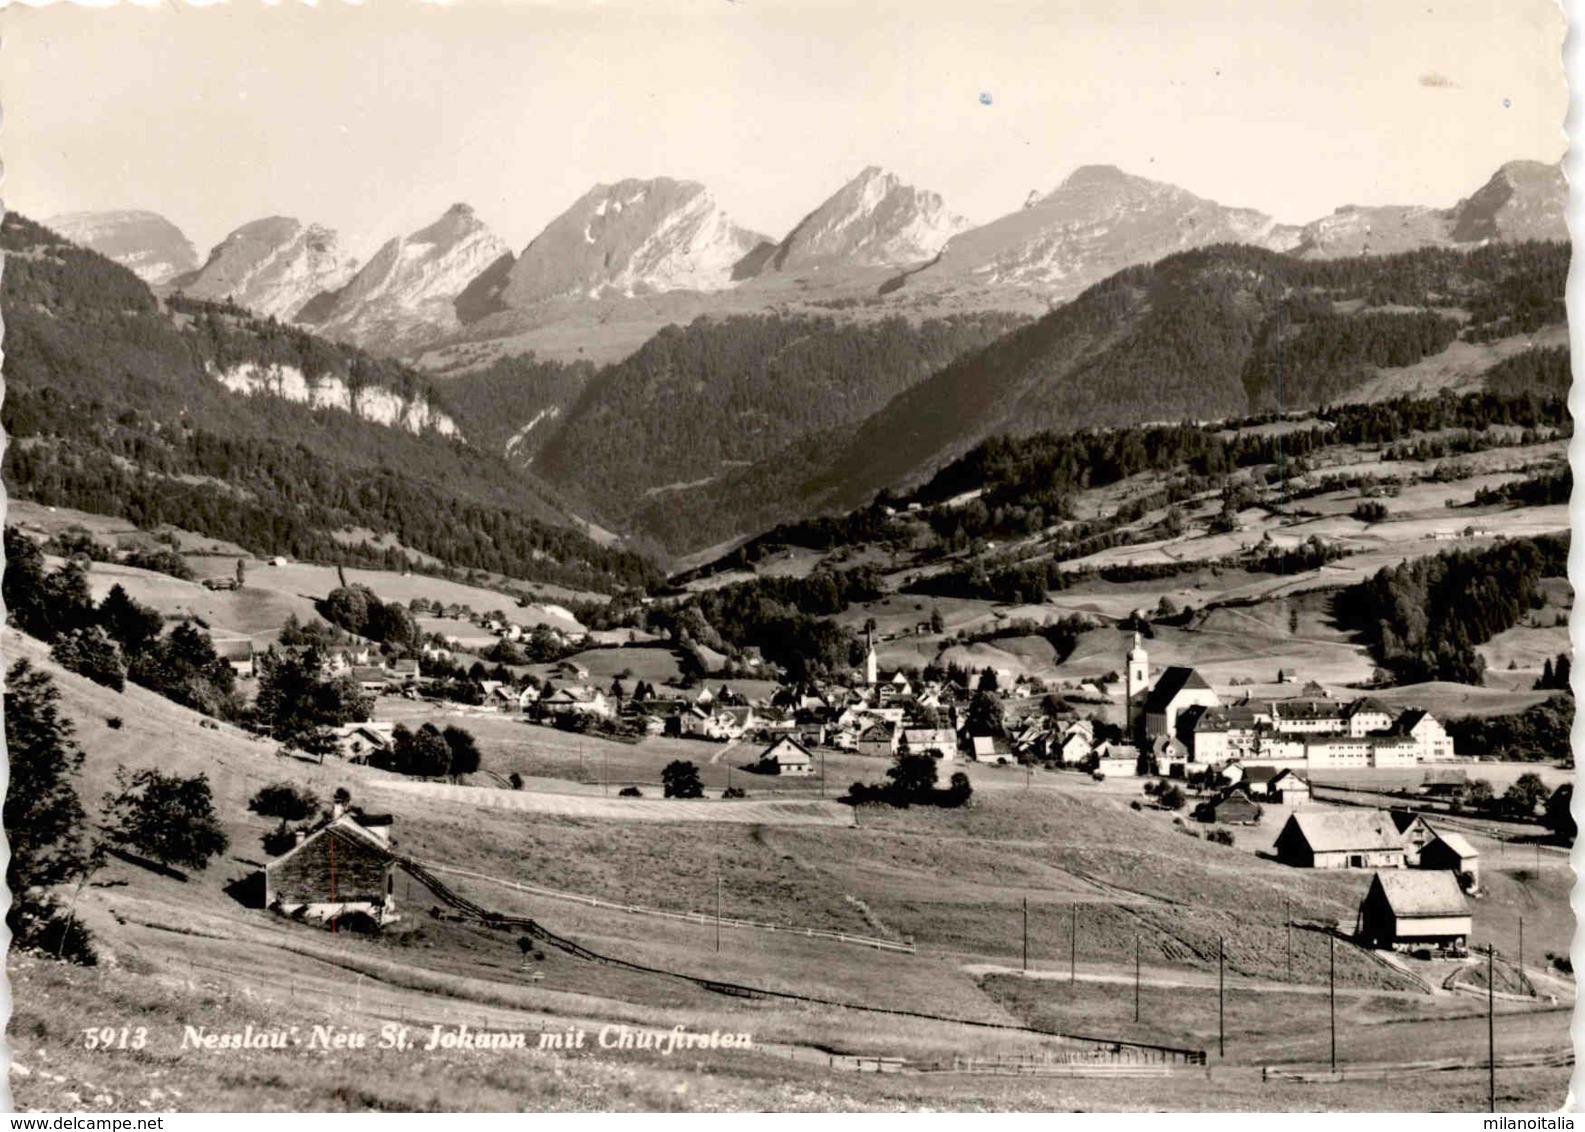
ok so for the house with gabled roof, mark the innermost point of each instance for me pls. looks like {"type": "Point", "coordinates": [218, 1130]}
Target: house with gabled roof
{"type": "Point", "coordinates": [789, 757]}
{"type": "Point", "coordinates": [942, 742]}
{"type": "Point", "coordinates": [343, 868]}
{"type": "Point", "coordinates": [1435, 744]}
{"type": "Point", "coordinates": [1415, 909]}
{"type": "Point", "coordinates": [1340, 839]}
{"type": "Point", "coordinates": [237, 653]}
{"type": "Point", "coordinates": [1451, 851]}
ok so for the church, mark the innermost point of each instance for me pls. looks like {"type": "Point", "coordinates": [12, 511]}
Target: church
{"type": "Point", "coordinates": [1153, 710]}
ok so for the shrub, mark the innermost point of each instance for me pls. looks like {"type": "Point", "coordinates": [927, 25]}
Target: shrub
{"type": "Point", "coordinates": [89, 652]}
{"type": "Point", "coordinates": [734, 792]}
{"type": "Point", "coordinates": [630, 792]}
{"type": "Point", "coordinates": [114, 723]}
{"type": "Point", "coordinates": [1135, 805]}
{"type": "Point", "coordinates": [278, 840]}
{"type": "Point", "coordinates": [1170, 796]}
{"type": "Point", "coordinates": [515, 780]}
{"type": "Point", "coordinates": [284, 800]}
{"type": "Point", "coordinates": [1220, 836]}
{"type": "Point", "coordinates": [165, 817]}
{"type": "Point", "coordinates": [38, 923]}
{"type": "Point", "coordinates": [680, 779]}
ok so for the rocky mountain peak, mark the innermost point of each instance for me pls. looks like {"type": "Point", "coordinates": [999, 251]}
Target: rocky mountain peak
{"type": "Point", "coordinates": [632, 238]}
{"type": "Point", "coordinates": [404, 296]}
{"type": "Point", "coordinates": [144, 242]}
{"type": "Point", "coordinates": [272, 266]}
{"type": "Point", "coordinates": [873, 220]}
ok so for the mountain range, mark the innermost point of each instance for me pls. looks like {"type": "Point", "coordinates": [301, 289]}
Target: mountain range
{"type": "Point", "coordinates": [670, 375]}
{"type": "Point", "coordinates": [628, 258]}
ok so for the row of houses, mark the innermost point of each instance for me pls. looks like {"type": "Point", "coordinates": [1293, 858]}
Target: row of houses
{"type": "Point", "coordinates": [1181, 719]}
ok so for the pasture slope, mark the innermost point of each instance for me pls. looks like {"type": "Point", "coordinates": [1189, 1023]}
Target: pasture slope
{"type": "Point", "coordinates": [951, 882]}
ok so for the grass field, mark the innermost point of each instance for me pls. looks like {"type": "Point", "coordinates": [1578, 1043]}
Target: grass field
{"type": "Point", "coordinates": [952, 881]}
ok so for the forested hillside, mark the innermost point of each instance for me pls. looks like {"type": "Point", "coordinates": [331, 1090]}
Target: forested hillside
{"type": "Point", "coordinates": [697, 402]}
{"type": "Point", "coordinates": [112, 406]}
{"type": "Point", "coordinates": [1423, 619]}
{"type": "Point", "coordinates": [1204, 335]}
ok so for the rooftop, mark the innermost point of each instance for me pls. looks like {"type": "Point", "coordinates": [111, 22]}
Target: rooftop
{"type": "Point", "coordinates": [1422, 892]}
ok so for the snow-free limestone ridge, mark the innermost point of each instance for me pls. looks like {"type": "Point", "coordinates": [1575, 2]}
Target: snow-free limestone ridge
{"type": "Point", "coordinates": [872, 221]}
{"type": "Point", "coordinates": [632, 238]}
{"type": "Point", "coordinates": [272, 267]}
{"type": "Point", "coordinates": [144, 242]}
{"type": "Point", "coordinates": [1523, 200]}
{"type": "Point", "coordinates": [405, 296]}
{"type": "Point", "coordinates": [1095, 223]}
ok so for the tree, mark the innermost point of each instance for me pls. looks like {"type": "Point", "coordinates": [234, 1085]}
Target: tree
{"type": "Point", "coordinates": [988, 680]}
{"type": "Point", "coordinates": [166, 818]}
{"type": "Point", "coordinates": [298, 705]}
{"type": "Point", "coordinates": [1478, 794]}
{"type": "Point", "coordinates": [130, 624]}
{"type": "Point", "coordinates": [44, 818]}
{"type": "Point", "coordinates": [424, 752]}
{"type": "Point", "coordinates": [1559, 817]}
{"type": "Point", "coordinates": [958, 791]}
{"type": "Point", "coordinates": [89, 652]}
{"type": "Point", "coordinates": [913, 776]}
{"type": "Point", "coordinates": [1170, 796]}
{"type": "Point", "coordinates": [985, 715]}
{"type": "Point", "coordinates": [279, 840]}
{"type": "Point", "coordinates": [1526, 793]}
{"type": "Point", "coordinates": [680, 779]}
{"type": "Point", "coordinates": [464, 750]}
{"type": "Point", "coordinates": [242, 572]}
{"type": "Point", "coordinates": [284, 800]}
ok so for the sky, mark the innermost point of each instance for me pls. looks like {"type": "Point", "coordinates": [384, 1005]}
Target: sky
{"type": "Point", "coordinates": [373, 119]}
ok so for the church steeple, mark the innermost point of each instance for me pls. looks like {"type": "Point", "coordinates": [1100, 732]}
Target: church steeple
{"type": "Point", "coordinates": [1138, 683]}
{"type": "Point", "coordinates": [872, 665]}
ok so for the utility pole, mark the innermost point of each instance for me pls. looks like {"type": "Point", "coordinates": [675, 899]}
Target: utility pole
{"type": "Point", "coordinates": [1136, 975]}
{"type": "Point", "coordinates": [1290, 939]}
{"type": "Point", "coordinates": [823, 773]}
{"type": "Point", "coordinates": [1491, 1027]}
{"type": "Point", "coordinates": [1073, 947]}
{"type": "Point", "coordinates": [1521, 949]}
{"type": "Point", "coordinates": [1221, 999]}
{"type": "Point", "coordinates": [718, 902]}
{"type": "Point", "coordinates": [1331, 944]}
{"type": "Point", "coordinates": [1026, 933]}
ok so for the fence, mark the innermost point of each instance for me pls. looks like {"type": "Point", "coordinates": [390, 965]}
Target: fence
{"type": "Point", "coordinates": [1101, 1048]}
{"type": "Point", "coordinates": [688, 917]}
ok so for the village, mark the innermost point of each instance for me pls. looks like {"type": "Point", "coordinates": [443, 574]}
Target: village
{"type": "Point", "coordinates": [1284, 771]}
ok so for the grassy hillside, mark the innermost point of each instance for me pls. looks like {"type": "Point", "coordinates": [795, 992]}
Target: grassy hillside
{"type": "Point", "coordinates": [113, 407]}
{"type": "Point", "coordinates": [953, 881]}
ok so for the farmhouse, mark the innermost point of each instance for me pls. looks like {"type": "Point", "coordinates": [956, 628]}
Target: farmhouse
{"type": "Point", "coordinates": [345, 867]}
{"type": "Point", "coordinates": [1341, 839]}
{"type": "Point", "coordinates": [576, 699]}
{"type": "Point", "coordinates": [238, 654]}
{"type": "Point", "coordinates": [942, 742]}
{"type": "Point", "coordinates": [987, 749]}
{"type": "Point", "coordinates": [1115, 760]}
{"type": "Point", "coordinates": [1405, 909]}
{"type": "Point", "coordinates": [1416, 833]}
{"type": "Point", "coordinates": [1232, 808]}
{"type": "Point", "coordinates": [1288, 788]}
{"type": "Point", "coordinates": [1451, 852]}
{"type": "Point", "coordinates": [789, 757]}
{"type": "Point", "coordinates": [357, 741]}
